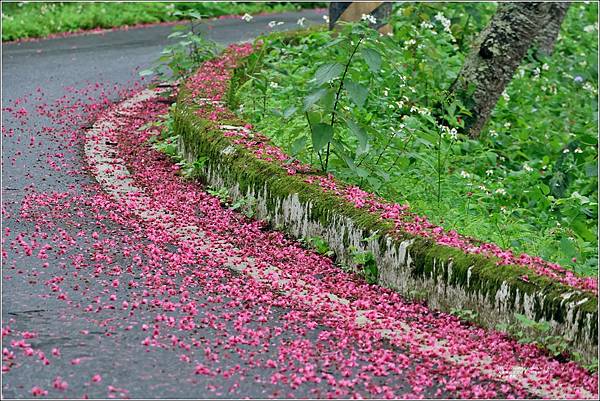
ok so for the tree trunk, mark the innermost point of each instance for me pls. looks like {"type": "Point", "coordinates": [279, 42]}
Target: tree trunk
{"type": "Point", "coordinates": [497, 53]}
{"type": "Point", "coordinates": [547, 37]}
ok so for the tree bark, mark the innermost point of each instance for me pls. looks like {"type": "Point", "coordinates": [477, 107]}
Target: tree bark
{"type": "Point", "coordinates": [547, 37]}
{"type": "Point", "coordinates": [497, 53]}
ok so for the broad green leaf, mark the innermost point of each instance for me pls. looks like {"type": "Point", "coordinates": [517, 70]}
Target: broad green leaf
{"type": "Point", "coordinates": [373, 59]}
{"type": "Point", "coordinates": [360, 134]}
{"type": "Point", "coordinates": [321, 135]}
{"type": "Point", "coordinates": [328, 72]}
{"type": "Point", "coordinates": [313, 98]}
{"type": "Point", "coordinates": [143, 73]}
{"type": "Point", "coordinates": [358, 93]}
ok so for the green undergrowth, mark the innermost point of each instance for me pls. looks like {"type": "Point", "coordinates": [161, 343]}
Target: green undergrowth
{"type": "Point", "coordinates": [529, 182]}
{"type": "Point", "coordinates": [29, 20]}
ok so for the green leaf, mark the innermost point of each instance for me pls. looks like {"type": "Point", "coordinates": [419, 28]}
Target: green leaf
{"type": "Point", "coordinates": [360, 134]}
{"type": "Point", "coordinates": [328, 72]}
{"type": "Point", "coordinates": [358, 93]}
{"type": "Point", "coordinates": [373, 59]}
{"type": "Point", "coordinates": [581, 229]}
{"type": "Point", "coordinates": [321, 135]}
{"type": "Point", "coordinates": [313, 98]}
{"type": "Point", "coordinates": [144, 73]}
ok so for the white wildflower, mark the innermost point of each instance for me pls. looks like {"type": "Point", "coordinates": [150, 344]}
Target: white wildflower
{"type": "Point", "coordinates": [464, 174]}
{"type": "Point", "coordinates": [505, 96]}
{"type": "Point", "coordinates": [545, 67]}
{"type": "Point", "coordinates": [369, 17]}
{"type": "Point", "coordinates": [566, 150]}
{"type": "Point", "coordinates": [578, 150]}
{"type": "Point", "coordinates": [590, 88]}
{"type": "Point", "coordinates": [500, 191]}
{"type": "Point", "coordinates": [507, 124]}
{"type": "Point", "coordinates": [493, 133]}
{"type": "Point", "coordinates": [426, 24]}
{"type": "Point", "coordinates": [247, 17]}
{"type": "Point", "coordinates": [482, 187]}
{"type": "Point", "coordinates": [385, 93]}
{"type": "Point", "coordinates": [453, 134]}
{"type": "Point", "coordinates": [301, 21]}
{"type": "Point", "coordinates": [410, 42]}
{"type": "Point", "coordinates": [274, 85]}
{"type": "Point", "coordinates": [527, 168]}
{"type": "Point", "coordinates": [489, 172]}
{"type": "Point", "coordinates": [444, 21]}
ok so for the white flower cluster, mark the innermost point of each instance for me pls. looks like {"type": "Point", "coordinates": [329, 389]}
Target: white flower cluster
{"type": "Point", "coordinates": [369, 17]}
{"type": "Point", "coordinates": [451, 132]}
{"type": "Point", "coordinates": [590, 88]}
{"type": "Point", "coordinates": [444, 21]}
{"type": "Point", "coordinates": [426, 24]}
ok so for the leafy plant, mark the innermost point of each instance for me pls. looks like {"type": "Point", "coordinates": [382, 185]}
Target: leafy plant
{"type": "Point", "coordinates": [185, 56]}
{"type": "Point", "coordinates": [221, 193]}
{"type": "Point", "coordinates": [536, 332]}
{"type": "Point", "coordinates": [195, 169]}
{"type": "Point", "coordinates": [366, 261]}
{"type": "Point", "coordinates": [465, 314]}
{"type": "Point", "coordinates": [168, 146]}
{"type": "Point", "coordinates": [246, 206]}
{"type": "Point", "coordinates": [320, 245]}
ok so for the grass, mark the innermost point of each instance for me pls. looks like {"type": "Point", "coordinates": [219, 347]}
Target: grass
{"type": "Point", "coordinates": [528, 183]}
{"type": "Point", "coordinates": [31, 20]}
